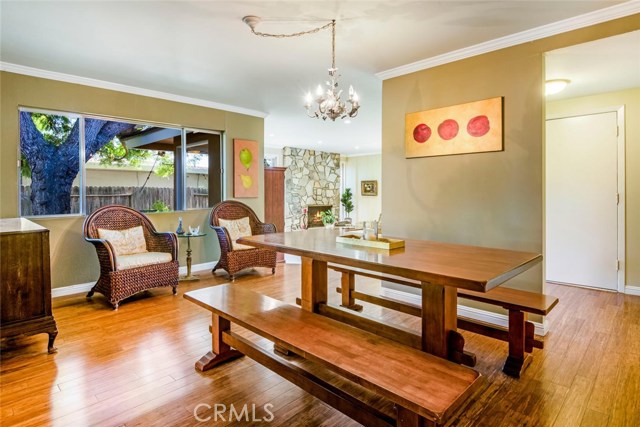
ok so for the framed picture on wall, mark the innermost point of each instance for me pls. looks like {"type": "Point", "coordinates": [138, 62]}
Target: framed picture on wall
{"type": "Point", "coordinates": [246, 165]}
{"type": "Point", "coordinates": [369, 188]}
{"type": "Point", "coordinates": [474, 127]}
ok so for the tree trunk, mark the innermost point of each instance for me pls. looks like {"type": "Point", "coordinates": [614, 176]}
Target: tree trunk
{"type": "Point", "coordinates": [54, 168]}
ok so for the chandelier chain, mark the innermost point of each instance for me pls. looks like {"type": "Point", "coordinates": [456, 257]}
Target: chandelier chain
{"type": "Point", "coordinates": [329, 104]}
{"type": "Point", "coordinates": [333, 44]}
{"type": "Point", "coordinates": [298, 34]}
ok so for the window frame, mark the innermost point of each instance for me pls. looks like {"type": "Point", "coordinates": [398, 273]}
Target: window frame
{"type": "Point", "coordinates": [181, 206]}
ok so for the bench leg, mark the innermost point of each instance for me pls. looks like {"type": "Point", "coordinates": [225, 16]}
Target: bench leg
{"type": "Point", "coordinates": [517, 360]}
{"type": "Point", "coordinates": [348, 281]}
{"type": "Point", "coordinates": [281, 350]}
{"type": "Point", "coordinates": [220, 352]}
{"type": "Point", "coordinates": [407, 418]}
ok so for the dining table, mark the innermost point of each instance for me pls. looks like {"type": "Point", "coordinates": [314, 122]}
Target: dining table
{"type": "Point", "coordinates": [440, 267]}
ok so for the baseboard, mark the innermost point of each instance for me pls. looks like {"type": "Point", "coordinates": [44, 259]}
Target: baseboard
{"type": "Point", "coordinates": [83, 288]}
{"type": "Point", "coordinates": [292, 259]}
{"type": "Point", "coordinates": [632, 290]}
{"type": "Point", "coordinates": [199, 267]}
{"type": "Point", "coordinates": [484, 316]}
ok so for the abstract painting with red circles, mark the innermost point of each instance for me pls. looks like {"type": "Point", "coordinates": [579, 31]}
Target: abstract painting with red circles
{"type": "Point", "coordinates": [475, 127]}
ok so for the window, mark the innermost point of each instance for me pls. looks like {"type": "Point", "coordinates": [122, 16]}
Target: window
{"type": "Point", "coordinates": [50, 147]}
{"type": "Point", "coordinates": [136, 168]}
{"type": "Point", "coordinates": [75, 164]}
{"type": "Point", "coordinates": [204, 169]}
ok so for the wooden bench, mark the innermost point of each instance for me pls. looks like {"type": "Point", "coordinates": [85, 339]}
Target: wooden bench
{"type": "Point", "coordinates": [520, 333]}
{"type": "Point", "coordinates": [426, 390]}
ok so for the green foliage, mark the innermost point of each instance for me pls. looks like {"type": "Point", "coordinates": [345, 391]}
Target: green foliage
{"type": "Point", "coordinates": [25, 169]}
{"type": "Point", "coordinates": [54, 129]}
{"type": "Point", "coordinates": [327, 217]}
{"type": "Point", "coordinates": [160, 206]}
{"type": "Point", "coordinates": [346, 201]}
{"type": "Point", "coordinates": [114, 153]}
{"type": "Point", "coordinates": [165, 168]}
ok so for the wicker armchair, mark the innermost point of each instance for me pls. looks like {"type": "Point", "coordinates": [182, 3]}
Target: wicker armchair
{"type": "Point", "coordinates": [118, 284]}
{"type": "Point", "coordinates": [232, 261]}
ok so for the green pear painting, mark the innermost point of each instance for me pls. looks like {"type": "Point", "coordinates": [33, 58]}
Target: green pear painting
{"type": "Point", "coordinates": [246, 166]}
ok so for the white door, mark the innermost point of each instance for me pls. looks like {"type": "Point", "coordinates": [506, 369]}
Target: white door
{"type": "Point", "coordinates": [581, 202]}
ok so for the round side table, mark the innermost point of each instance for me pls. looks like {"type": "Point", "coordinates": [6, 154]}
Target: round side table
{"type": "Point", "coordinates": [188, 236]}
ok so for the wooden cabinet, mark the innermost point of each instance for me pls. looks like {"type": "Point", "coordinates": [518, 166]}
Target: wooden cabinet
{"type": "Point", "coordinates": [274, 199]}
{"type": "Point", "coordinates": [25, 280]}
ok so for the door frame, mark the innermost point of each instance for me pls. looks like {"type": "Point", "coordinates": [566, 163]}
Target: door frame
{"type": "Point", "coordinates": [621, 140]}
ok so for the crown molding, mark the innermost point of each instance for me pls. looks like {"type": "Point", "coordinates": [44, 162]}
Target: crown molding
{"type": "Point", "coordinates": [596, 17]}
{"type": "Point", "coordinates": [102, 84]}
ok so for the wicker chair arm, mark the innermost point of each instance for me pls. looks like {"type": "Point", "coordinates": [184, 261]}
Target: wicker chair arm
{"type": "Point", "coordinates": [224, 238]}
{"type": "Point", "coordinates": [105, 251]}
{"type": "Point", "coordinates": [265, 228]}
{"type": "Point", "coordinates": [164, 242]}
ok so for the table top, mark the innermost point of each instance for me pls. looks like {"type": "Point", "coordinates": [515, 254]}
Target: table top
{"type": "Point", "coordinates": [469, 267]}
{"type": "Point", "coordinates": [191, 235]}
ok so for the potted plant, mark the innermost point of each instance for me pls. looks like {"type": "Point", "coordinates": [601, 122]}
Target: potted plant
{"type": "Point", "coordinates": [328, 219]}
{"type": "Point", "coordinates": [347, 203]}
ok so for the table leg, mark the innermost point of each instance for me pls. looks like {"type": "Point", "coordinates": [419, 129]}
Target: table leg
{"type": "Point", "coordinates": [188, 277]}
{"type": "Point", "coordinates": [314, 284]}
{"type": "Point", "coordinates": [220, 352]}
{"type": "Point", "coordinates": [439, 316]}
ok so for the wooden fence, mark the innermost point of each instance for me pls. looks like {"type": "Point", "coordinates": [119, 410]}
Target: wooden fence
{"type": "Point", "coordinates": [142, 200]}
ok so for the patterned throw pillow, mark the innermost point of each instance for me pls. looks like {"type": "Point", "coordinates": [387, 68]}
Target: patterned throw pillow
{"type": "Point", "coordinates": [125, 242]}
{"type": "Point", "coordinates": [237, 228]}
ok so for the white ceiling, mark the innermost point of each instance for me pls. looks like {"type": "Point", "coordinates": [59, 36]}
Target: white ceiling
{"type": "Point", "coordinates": [604, 65]}
{"type": "Point", "coordinates": [202, 49]}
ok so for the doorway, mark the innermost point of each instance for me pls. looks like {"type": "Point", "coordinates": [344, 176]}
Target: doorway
{"type": "Point", "coordinates": [585, 197]}
{"type": "Point", "coordinates": [583, 232]}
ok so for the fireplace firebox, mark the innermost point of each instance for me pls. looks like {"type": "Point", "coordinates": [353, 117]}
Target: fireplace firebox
{"type": "Point", "coordinates": [313, 214]}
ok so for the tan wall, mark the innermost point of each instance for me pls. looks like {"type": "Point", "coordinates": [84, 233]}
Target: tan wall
{"type": "Point", "coordinates": [631, 100]}
{"type": "Point", "coordinates": [488, 199]}
{"type": "Point", "coordinates": [73, 260]}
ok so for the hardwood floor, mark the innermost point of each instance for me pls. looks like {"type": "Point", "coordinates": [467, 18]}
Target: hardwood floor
{"type": "Point", "coordinates": [135, 366]}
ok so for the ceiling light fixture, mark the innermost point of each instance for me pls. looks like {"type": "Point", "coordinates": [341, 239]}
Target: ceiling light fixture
{"type": "Point", "coordinates": [329, 105]}
{"type": "Point", "coordinates": [554, 86]}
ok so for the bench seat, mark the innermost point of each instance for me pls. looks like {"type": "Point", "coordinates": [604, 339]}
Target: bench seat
{"type": "Point", "coordinates": [520, 333]}
{"type": "Point", "coordinates": [418, 383]}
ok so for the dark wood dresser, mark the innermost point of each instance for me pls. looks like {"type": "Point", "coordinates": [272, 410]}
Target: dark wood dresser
{"type": "Point", "coordinates": [25, 280]}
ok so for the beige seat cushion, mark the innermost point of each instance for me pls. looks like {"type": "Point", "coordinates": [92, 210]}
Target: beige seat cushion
{"type": "Point", "coordinates": [237, 228]}
{"type": "Point", "coordinates": [124, 262]}
{"type": "Point", "coordinates": [125, 242]}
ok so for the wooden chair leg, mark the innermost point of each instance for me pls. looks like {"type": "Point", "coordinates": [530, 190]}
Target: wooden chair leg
{"type": "Point", "coordinates": [220, 352]}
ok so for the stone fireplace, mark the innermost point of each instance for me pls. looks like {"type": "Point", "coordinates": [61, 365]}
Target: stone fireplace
{"type": "Point", "coordinates": [312, 179]}
{"type": "Point", "coordinates": [313, 215]}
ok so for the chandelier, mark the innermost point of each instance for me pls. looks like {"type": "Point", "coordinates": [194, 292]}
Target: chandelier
{"type": "Point", "coordinates": [328, 103]}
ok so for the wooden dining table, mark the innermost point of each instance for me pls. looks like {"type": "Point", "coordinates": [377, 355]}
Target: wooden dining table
{"type": "Point", "coordinates": [440, 267]}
